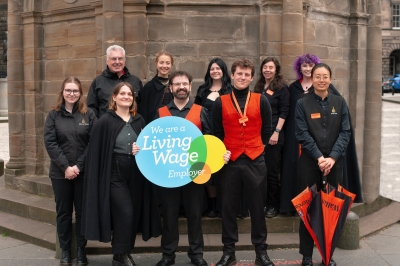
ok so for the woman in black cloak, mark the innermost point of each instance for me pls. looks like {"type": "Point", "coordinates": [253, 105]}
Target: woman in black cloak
{"type": "Point", "coordinates": [117, 197]}
{"type": "Point", "coordinates": [290, 154]}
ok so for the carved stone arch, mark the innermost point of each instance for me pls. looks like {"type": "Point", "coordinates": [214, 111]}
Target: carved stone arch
{"type": "Point", "coordinates": [393, 47]}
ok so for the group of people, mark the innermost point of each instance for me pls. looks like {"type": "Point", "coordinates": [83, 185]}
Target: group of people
{"type": "Point", "coordinates": [267, 132]}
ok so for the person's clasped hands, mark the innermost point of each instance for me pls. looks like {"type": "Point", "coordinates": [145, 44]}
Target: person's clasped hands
{"type": "Point", "coordinates": [326, 164]}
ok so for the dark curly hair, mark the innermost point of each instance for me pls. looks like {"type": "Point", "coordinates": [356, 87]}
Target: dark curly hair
{"type": "Point", "coordinates": [277, 83]}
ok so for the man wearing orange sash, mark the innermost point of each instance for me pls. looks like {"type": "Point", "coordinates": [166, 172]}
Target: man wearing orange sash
{"type": "Point", "coordinates": [191, 195]}
{"type": "Point", "coordinates": [242, 120]}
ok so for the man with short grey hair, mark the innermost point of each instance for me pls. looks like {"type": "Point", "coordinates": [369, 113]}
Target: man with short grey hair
{"type": "Point", "coordinates": [102, 86]}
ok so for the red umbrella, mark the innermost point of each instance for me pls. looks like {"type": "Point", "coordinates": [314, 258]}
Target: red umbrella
{"type": "Point", "coordinates": [324, 215]}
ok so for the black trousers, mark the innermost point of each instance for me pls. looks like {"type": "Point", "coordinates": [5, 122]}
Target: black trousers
{"type": "Point", "coordinates": [310, 174]}
{"type": "Point", "coordinates": [68, 194]}
{"type": "Point", "coordinates": [191, 195]}
{"type": "Point", "coordinates": [248, 178]}
{"type": "Point", "coordinates": [272, 157]}
{"type": "Point", "coordinates": [125, 203]}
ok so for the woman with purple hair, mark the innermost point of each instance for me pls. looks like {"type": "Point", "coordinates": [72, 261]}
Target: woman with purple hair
{"type": "Point", "coordinates": [291, 150]}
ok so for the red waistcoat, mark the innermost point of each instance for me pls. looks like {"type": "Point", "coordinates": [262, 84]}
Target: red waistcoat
{"type": "Point", "coordinates": [238, 138]}
{"type": "Point", "coordinates": [193, 115]}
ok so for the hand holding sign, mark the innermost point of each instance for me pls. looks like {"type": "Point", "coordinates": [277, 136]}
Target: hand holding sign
{"type": "Point", "coordinates": [173, 152]}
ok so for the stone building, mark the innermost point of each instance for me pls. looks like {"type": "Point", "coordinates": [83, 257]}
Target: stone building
{"type": "Point", "coordinates": [390, 38]}
{"type": "Point", "coordinates": [49, 40]}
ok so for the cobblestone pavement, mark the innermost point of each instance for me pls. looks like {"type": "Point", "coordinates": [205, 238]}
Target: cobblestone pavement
{"type": "Point", "coordinates": [4, 147]}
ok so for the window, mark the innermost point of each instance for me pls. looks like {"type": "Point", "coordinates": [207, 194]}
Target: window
{"type": "Point", "coordinates": [396, 16]}
{"type": "Point", "coordinates": [392, 66]}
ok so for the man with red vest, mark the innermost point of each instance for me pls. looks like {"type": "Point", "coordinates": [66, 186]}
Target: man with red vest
{"type": "Point", "coordinates": [242, 120]}
{"type": "Point", "coordinates": [191, 195]}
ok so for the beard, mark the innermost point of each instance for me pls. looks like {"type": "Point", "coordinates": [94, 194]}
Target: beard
{"type": "Point", "coordinates": [179, 96]}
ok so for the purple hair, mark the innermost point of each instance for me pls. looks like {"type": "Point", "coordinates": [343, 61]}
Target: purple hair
{"type": "Point", "coordinates": [305, 58]}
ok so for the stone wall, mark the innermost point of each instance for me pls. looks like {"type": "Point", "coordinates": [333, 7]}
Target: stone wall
{"type": "Point", "coordinates": [49, 40]}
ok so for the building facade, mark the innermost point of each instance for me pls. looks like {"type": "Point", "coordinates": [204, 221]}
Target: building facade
{"type": "Point", "coordinates": [49, 40]}
{"type": "Point", "coordinates": [390, 38]}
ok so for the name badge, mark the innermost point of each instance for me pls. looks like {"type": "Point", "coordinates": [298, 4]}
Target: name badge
{"type": "Point", "coordinates": [270, 92]}
{"type": "Point", "coordinates": [315, 116]}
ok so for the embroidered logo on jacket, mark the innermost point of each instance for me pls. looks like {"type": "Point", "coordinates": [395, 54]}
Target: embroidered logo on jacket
{"type": "Point", "coordinates": [333, 111]}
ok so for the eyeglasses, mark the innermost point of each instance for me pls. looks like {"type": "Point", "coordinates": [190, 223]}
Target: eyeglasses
{"type": "Point", "coordinates": [325, 78]}
{"type": "Point", "coordinates": [178, 84]}
{"type": "Point", "coordinates": [69, 92]}
{"type": "Point", "coordinates": [115, 59]}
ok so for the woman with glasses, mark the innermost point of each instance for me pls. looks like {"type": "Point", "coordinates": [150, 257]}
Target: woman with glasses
{"type": "Point", "coordinates": [216, 83]}
{"type": "Point", "coordinates": [156, 93]}
{"type": "Point", "coordinates": [322, 127]}
{"type": "Point", "coordinates": [291, 150]}
{"type": "Point", "coordinates": [117, 196]}
{"type": "Point", "coordinates": [66, 136]}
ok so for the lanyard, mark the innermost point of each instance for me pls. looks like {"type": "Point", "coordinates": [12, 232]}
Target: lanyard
{"type": "Point", "coordinates": [243, 118]}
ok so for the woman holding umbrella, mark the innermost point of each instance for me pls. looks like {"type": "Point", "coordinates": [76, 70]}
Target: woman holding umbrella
{"type": "Point", "coordinates": [323, 130]}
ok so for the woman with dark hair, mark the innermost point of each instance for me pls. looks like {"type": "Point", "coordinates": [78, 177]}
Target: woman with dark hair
{"type": "Point", "coordinates": [216, 83]}
{"type": "Point", "coordinates": [291, 150]}
{"type": "Point", "coordinates": [156, 93]}
{"type": "Point", "coordinates": [322, 127]}
{"type": "Point", "coordinates": [66, 136]}
{"type": "Point", "coordinates": [271, 84]}
{"type": "Point", "coordinates": [118, 198]}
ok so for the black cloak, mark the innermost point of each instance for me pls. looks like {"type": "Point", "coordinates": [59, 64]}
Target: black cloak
{"type": "Point", "coordinates": [96, 215]}
{"type": "Point", "coordinates": [290, 156]}
{"type": "Point", "coordinates": [150, 99]}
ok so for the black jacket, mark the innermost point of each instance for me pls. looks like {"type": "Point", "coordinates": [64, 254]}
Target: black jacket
{"type": "Point", "coordinates": [102, 86]}
{"type": "Point", "coordinates": [96, 215]}
{"type": "Point", "coordinates": [66, 137]}
{"type": "Point", "coordinates": [290, 156]}
{"type": "Point", "coordinates": [150, 98]}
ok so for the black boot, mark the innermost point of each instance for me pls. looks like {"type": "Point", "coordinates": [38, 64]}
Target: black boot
{"type": "Point", "coordinates": [65, 257]}
{"type": "Point", "coordinates": [81, 259]}
{"type": "Point", "coordinates": [122, 260]}
{"type": "Point", "coordinates": [212, 208]}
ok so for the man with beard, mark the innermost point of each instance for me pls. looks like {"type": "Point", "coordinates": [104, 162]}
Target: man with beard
{"type": "Point", "coordinates": [242, 120]}
{"type": "Point", "coordinates": [191, 195]}
{"type": "Point", "coordinates": [102, 86]}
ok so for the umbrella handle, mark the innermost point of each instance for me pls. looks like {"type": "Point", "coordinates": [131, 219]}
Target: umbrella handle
{"type": "Point", "coordinates": [324, 180]}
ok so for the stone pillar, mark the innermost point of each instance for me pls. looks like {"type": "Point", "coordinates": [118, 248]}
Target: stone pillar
{"type": "Point", "coordinates": [358, 68]}
{"type": "Point", "coordinates": [135, 37]}
{"type": "Point", "coordinates": [112, 26]}
{"type": "Point", "coordinates": [33, 48]}
{"type": "Point", "coordinates": [292, 37]}
{"type": "Point", "coordinates": [373, 103]}
{"type": "Point", "coordinates": [3, 98]}
{"type": "Point", "coordinates": [15, 76]}
{"type": "Point", "coordinates": [270, 31]}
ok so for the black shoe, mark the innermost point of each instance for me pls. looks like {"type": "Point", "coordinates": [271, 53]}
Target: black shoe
{"type": "Point", "coordinates": [263, 260]}
{"type": "Point", "coordinates": [199, 262]}
{"type": "Point", "coordinates": [332, 263]}
{"type": "Point", "coordinates": [81, 258]}
{"type": "Point", "coordinates": [131, 259]}
{"type": "Point", "coordinates": [65, 257]}
{"type": "Point", "coordinates": [227, 260]}
{"type": "Point", "coordinates": [212, 208]}
{"type": "Point", "coordinates": [165, 262]}
{"type": "Point", "coordinates": [271, 212]}
{"type": "Point", "coordinates": [307, 261]}
{"type": "Point", "coordinates": [122, 260]}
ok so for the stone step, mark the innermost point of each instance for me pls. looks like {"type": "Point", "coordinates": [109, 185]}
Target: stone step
{"type": "Point", "coordinates": [26, 205]}
{"type": "Point", "coordinates": [34, 184]}
{"type": "Point", "coordinates": [44, 234]}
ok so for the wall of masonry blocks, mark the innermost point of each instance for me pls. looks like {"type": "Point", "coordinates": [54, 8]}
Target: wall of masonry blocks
{"type": "Point", "coordinates": [49, 40]}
